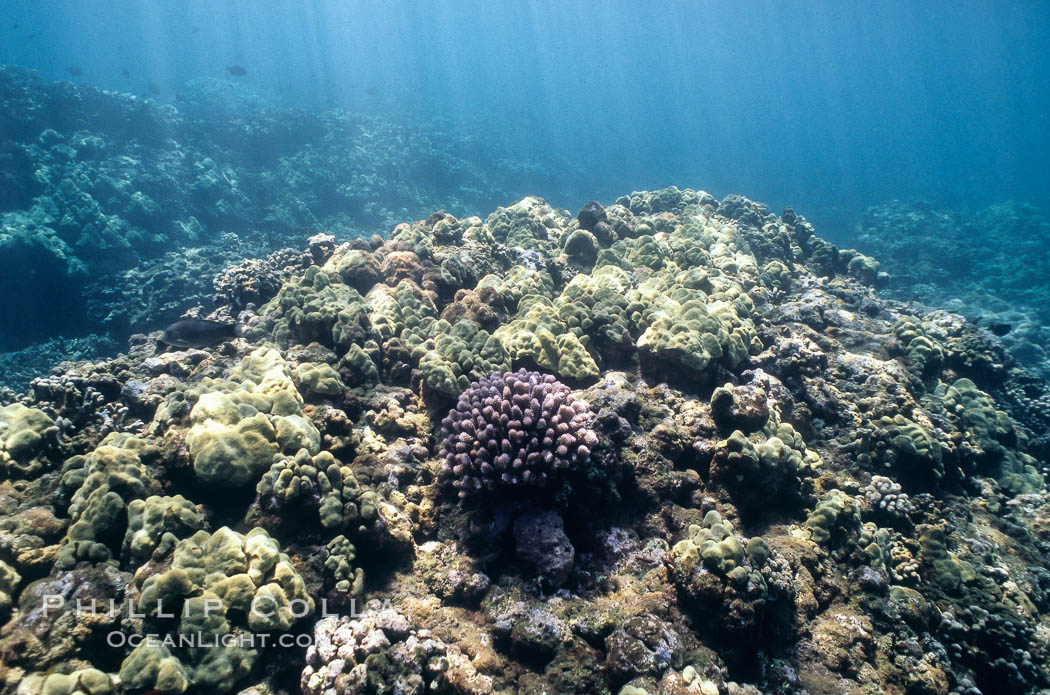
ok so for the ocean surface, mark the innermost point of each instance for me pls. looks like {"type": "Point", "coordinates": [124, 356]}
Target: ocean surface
{"type": "Point", "coordinates": [470, 347]}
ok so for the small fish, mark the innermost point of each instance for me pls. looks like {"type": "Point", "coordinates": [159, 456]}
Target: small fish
{"type": "Point", "coordinates": [372, 91]}
{"type": "Point", "coordinates": [1000, 328]}
{"type": "Point", "coordinates": [200, 333]}
{"type": "Point", "coordinates": [14, 27]}
{"type": "Point", "coordinates": [74, 71]}
{"type": "Point", "coordinates": [154, 87]}
{"type": "Point", "coordinates": [31, 36]}
{"type": "Point", "coordinates": [194, 28]}
{"type": "Point", "coordinates": [236, 70]}
{"type": "Point", "coordinates": [125, 74]}
{"type": "Point", "coordinates": [179, 97]}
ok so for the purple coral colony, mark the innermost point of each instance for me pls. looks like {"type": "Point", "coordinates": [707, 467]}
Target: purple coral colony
{"type": "Point", "coordinates": [669, 445]}
{"type": "Point", "coordinates": [517, 428]}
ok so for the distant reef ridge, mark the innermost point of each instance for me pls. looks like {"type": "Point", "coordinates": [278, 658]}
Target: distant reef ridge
{"type": "Point", "coordinates": [94, 184]}
{"type": "Point", "coordinates": [992, 266]}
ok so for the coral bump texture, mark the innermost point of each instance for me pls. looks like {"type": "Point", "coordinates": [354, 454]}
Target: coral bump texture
{"type": "Point", "coordinates": [514, 429]}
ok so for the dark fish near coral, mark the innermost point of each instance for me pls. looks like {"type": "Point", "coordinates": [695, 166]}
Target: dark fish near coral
{"type": "Point", "coordinates": [236, 70]}
{"type": "Point", "coordinates": [74, 71]}
{"type": "Point", "coordinates": [1000, 328]}
{"type": "Point", "coordinates": [154, 87]}
{"type": "Point", "coordinates": [199, 333]}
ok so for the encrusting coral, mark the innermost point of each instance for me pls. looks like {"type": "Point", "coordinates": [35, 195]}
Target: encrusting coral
{"type": "Point", "coordinates": [322, 482]}
{"type": "Point", "coordinates": [101, 485]}
{"type": "Point", "coordinates": [239, 424]}
{"type": "Point", "coordinates": [219, 584]}
{"type": "Point", "coordinates": [25, 434]}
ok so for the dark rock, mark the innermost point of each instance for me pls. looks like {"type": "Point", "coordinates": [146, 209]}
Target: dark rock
{"type": "Point", "coordinates": [614, 427]}
{"type": "Point", "coordinates": [541, 541]}
{"type": "Point", "coordinates": [591, 214]}
{"type": "Point", "coordinates": [871, 581]}
{"type": "Point", "coordinates": [740, 408]}
{"type": "Point", "coordinates": [577, 669]}
{"type": "Point", "coordinates": [642, 644]}
{"type": "Point", "coordinates": [605, 233]}
{"type": "Point", "coordinates": [536, 635]}
{"type": "Point", "coordinates": [50, 627]}
{"type": "Point", "coordinates": [582, 247]}
{"type": "Point", "coordinates": [623, 229]}
{"type": "Point", "coordinates": [322, 246]}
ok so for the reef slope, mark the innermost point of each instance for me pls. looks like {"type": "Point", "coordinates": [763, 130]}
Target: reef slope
{"type": "Point", "coordinates": [779, 482]}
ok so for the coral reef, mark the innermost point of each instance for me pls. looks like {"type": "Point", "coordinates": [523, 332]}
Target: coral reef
{"type": "Point", "coordinates": [735, 579]}
{"type": "Point", "coordinates": [100, 486]}
{"type": "Point", "coordinates": [672, 445]}
{"type": "Point", "coordinates": [237, 425]}
{"type": "Point", "coordinates": [322, 482]}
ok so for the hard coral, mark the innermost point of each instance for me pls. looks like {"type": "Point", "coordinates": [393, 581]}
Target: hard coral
{"type": "Point", "coordinates": [514, 429]}
{"type": "Point", "coordinates": [380, 651]}
{"type": "Point", "coordinates": [24, 434]}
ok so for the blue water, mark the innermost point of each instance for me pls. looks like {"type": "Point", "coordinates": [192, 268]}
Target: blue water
{"type": "Point", "coordinates": [828, 106]}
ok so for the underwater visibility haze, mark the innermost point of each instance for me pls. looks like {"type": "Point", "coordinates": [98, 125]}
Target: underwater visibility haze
{"type": "Point", "coordinates": [465, 347]}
